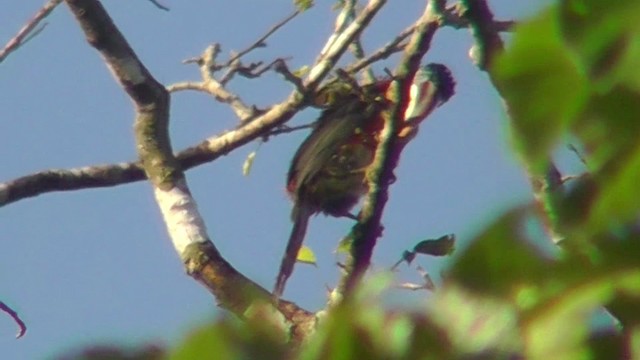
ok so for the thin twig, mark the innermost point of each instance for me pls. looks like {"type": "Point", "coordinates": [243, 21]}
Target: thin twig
{"type": "Point", "coordinates": [210, 85]}
{"type": "Point", "coordinates": [454, 17]}
{"type": "Point", "coordinates": [27, 31]}
{"type": "Point", "coordinates": [34, 33]}
{"type": "Point", "coordinates": [451, 17]}
{"type": "Point", "coordinates": [284, 129]}
{"type": "Point", "coordinates": [206, 151]}
{"type": "Point", "coordinates": [260, 42]}
{"type": "Point", "coordinates": [356, 46]}
{"type": "Point", "coordinates": [158, 5]}
{"type": "Point", "coordinates": [338, 28]}
{"type": "Point", "coordinates": [338, 42]}
{"type": "Point", "coordinates": [392, 47]}
{"type": "Point", "coordinates": [234, 65]}
{"type": "Point", "coordinates": [281, 68]}
{"type": "Point", "coordinates": [578, 154]}
{"type": "Point", "coordinates": [22, 328]}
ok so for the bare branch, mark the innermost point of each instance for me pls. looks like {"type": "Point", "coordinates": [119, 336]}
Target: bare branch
{"type": "Point", "coordinates": [202, 260]}
{"type": "Point", "coordinates": [158, 5]}
{"type": "Point", "coordinates": [210, 85]}
{"type": "Point", "coordinates": [108, 175]}
{"type": "Point", "coordinates": [208, 150]}
{"type": "Point", "coordinates": [22, 327]}
{"type": "Point", "coordinates": [281, 68]}
{"type": "Point", "coordinates": [340, 25]}
{"type": "Point", "coordinates": [188, 85]}
{"type": "Point", "coordinates": [186, 227]}
{"type": "Point", "coordinates": [261, 41]}
{"type": "Point", "coordinates": [69, 179]}
{"type": "Point", "coordinates": [29, 30]}
{"type": "Point", "coordinates": [392, 47]}
{"type": "Point", "coordinates": [449, 17]}
{"type": "Point", "coordinates": [356, 46]}
{"type": "Point", "coordinates": [234, 64]}
{"type": "Point", "coordinates": [339, 41]}
{"type": "Point", "coordinates": [488, 41]}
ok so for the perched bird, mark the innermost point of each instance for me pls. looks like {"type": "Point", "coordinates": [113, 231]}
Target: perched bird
{"type": "Point", "coordinates": [327, 173]}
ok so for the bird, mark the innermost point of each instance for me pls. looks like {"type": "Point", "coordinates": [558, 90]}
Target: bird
{"type": "Point", "coordinates": [327, 172]}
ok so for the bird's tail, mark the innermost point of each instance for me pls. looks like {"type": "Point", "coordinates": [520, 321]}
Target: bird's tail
{"type": "Point", "coordinates": [300, 220]}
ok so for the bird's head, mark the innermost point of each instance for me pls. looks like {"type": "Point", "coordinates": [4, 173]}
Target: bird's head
{"type": "Point", "coordinates": [431, 87]}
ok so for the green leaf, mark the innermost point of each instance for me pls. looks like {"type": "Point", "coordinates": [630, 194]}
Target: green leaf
{"type": "Point", "coordinates": [248, 163]}
{"type": "Point", "coordinates": [606, 198]}
{"type": "Point", "coordinates": [213, 338]}
{"type": "Point", "coordinates": [230, 338]}
{"type": "Point", "coordinates": [306, 255]}
{"type": "Point", "coordinates": [341, 338]}
{"type": "Point", "coordinates": [607, 345]}
{"type": "Point", "coordinates": [442, 246]}
{"type": "Point", "coordinates": [476, 323]}
{"type": "Point", "coordinates": [606, 37]}
{"type": "Point", "coordinates": [344, 246]}
{"type": "Point", "coordinates": [500, 261]}
{"type": "Point", "coordinates": [359, 328]}
{"type": "Point", "coordinates": [302, 71]}
{"type": "Point", "coordinates": [558, 327]}
{"type": "Point", "coordinates": [303, 5]}
{"type": "Point", "coordinates": [542, 85]}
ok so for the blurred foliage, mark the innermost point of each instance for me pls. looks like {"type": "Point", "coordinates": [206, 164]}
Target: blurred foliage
{"type": "Point", "coordinates": [571, 72]}
{"type": "Point", "coordinates": [112, 352]}
{"type": "Point", "coordinates": [303, 5]}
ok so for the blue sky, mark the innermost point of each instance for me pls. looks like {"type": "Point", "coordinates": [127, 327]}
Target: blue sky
{"type": "Point", "coordinates": [97, 266]}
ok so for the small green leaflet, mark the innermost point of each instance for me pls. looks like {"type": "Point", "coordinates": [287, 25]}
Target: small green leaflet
{"type": "Point", "coordinates": [306, 256]}
{"type": "Point", "coordinates": [248, 162]}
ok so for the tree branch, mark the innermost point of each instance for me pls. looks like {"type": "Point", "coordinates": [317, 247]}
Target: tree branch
{"type": "Point", "coordinates": [392, 47]}
{"type": "Point", "coordinates": [212, 86]}
{"type": "Point", "coordinates": [261, 41]}
{"type": "Point", "coordinates": [449, 17]}
{"type": "Point", "coordinates": [28, 31]}
{"type": "Point", "coordinates": [339, 42]}
{"type": "Point", "coordinates": [368, 229]}
{"type": "Point", "coordinates": [208, 150]}
{"type": "Point", "coordinates": [203, 262]}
